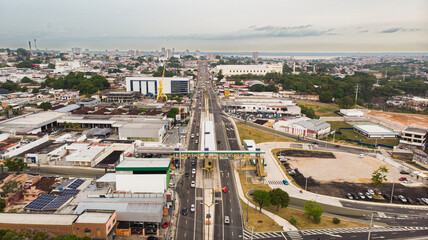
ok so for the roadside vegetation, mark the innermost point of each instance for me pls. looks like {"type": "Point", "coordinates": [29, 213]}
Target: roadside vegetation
{"type": "Point", "coordinates": [246, 132]}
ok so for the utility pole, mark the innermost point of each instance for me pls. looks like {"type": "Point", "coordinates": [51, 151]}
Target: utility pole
{"type": "Point", "coordinates": [356, 96]}
{"type": "Point", "coordinates": [370, 226]}
{"type": "Point", "coordinates": [392, 192]}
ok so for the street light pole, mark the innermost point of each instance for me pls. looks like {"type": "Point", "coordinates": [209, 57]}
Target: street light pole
{"type": "Point", "coordinates": [306, 184]}
{"type": "Point", "coordinates": [370, 226]}
{"type": "Point", "coordinates": [392, 192]}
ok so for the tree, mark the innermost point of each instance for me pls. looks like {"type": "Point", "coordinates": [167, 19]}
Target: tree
{"type": "Point", "coordinates": [379, 176]}
{"type": "Point", "coordinates": [25, 64]}
{"type": "Point", "coordinates": [262, 198]}
{"type": "Point", "coordinates": [35, 90]}
{"type": "Point", "coordinates": [326, 97]}
{"type": "Point", "coordinates": [220, 75]}
{"type": "Point", "coordinates": [239, 83]}
{"type": "Point", "coordinates": [172, 113]}
{"type": "Point", "coordinates": [279, 198]}
{"type": "Point", "coordinates": [45, 106]}
{"type": "Point", "coordinates": [26, 80]}
{"type": "Point", "coordinates": [10, 187]}
{"type": "Point", "coordinates": [15, 165]}
{"type": "Point", "coordinates": [2, 204]}
{"type": "Point", "coordinates": [346, 102]}
{"type": "Point", "coordinates": [51, 66]}
{"type": "Point", "coordinates": [313, 209]}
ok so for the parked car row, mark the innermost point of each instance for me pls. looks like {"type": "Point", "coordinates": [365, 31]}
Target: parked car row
{"type": "Point", "coordinates": [370, 195]}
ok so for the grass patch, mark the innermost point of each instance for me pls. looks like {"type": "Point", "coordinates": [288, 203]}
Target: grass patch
{"type": "Point", "coordinates": [250, 185]}
{"type": "Point", "coordinates": [322, 109]}
{"type": "Point", "coordinates": [304, 223]}
{"type": "Point", "coordinates": [257, 220]}
{"type": "Point", "coordinates": [246, 132]}
{"type": "Point", "coordinates": [350, 134]}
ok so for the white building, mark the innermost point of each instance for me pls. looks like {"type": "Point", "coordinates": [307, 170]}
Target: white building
{"type": "Point", "coordinates": [229, 70]}
{"type": "Point", "coordinates": [304, 127]}
{"type": "Point", "coordinates": [351, 113]}
{"type": "Point", "coordinates": [414, 137]}
{"type": "Point", "coordinates": [150, 85]}
{"type": "Point", "coordinates": [149, 130]}
{"type": "Point", "coordinates": [262, 107]}
{"type": "Point", "coordinates": [82, 154]}
{"type": "Point", "coordinates": [143, 175]}
{"type": "Point", "coordinates": [374, 131]}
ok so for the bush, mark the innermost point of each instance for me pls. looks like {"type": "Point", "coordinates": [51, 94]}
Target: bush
{"type": "Point", "coordinates": [293, 221]}
{"type": "Point", "coordinates": [336, 220]}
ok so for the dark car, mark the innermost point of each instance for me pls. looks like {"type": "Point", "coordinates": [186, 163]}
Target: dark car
{"type": "Point", "coordinates": [395, 198]}
{"type": "Point", "coordinates": [193, 162]}
{"type": "Point", "coordinates": [355, 196]}
{"type": "Point", "coordinates": [404, 172]}
{"type": "Point", "coordinates": [184, 211]}
{"type": "Point", "coordinates": [410, 201]}
{"type": "Point", "coordinates": [386, 196]}
{"type": "Point", "coordinates": [186, 174]}
{"type": "Point", "coordinates": [419, 201]}
{"type": "Point", "coordinates": [152, 238]}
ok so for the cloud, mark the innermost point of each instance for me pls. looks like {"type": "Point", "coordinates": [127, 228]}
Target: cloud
{"type": "Point", "coordinates": [256, 32]}
{"type": "Point", "coordinates": [397, 29]}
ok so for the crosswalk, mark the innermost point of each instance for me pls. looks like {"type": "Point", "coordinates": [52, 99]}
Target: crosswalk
{"type": "Point", "coordinates": [261, 235]}
{"type": "Point", "coordinates": [275, 183]}
{"type": "Point", "coordinates": [299, 235]}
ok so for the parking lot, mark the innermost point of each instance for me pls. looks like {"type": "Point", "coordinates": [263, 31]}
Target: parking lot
{"type": "Point", "coordinates": [344, 167]}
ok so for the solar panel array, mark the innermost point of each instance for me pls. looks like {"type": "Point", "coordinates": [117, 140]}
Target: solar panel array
{"type": "Point", "coordinates": [69, 192]}
{"type": "Point", "coordinates": [66, 183]}
{"type": "Point", "coordinates": [76, 183]}
{"type": "Point", "coordinates": [40, 202]}
{"type": "Point", "coordinates": [56, 203]}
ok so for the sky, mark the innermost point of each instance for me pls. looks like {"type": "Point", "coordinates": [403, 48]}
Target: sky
{"type": "Point", "coordinates": [313, 26]}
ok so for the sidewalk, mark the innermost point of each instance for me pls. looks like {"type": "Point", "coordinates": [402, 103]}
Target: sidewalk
{"type": "Point", "coordinates": [280, 221]}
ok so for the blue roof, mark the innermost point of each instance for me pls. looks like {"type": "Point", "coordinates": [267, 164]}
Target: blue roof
{"type": "Point", "coordinates": [68, 108]}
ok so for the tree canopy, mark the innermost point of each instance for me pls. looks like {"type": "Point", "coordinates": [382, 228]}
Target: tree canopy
{"type": "Point", "coordinates": [379, 176]}
{"type": "Point", "coordinates": [313, 209]}
{"type": "Point", "coordinates": [78, 81]}
{"type": "Point", "coordinates": [263, 198]}
{"type": "Point", "coordinates": [279, 198]}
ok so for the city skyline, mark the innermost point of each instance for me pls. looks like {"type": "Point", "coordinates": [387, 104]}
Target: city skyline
{"type": "Point", "coordinates": [280, 26]}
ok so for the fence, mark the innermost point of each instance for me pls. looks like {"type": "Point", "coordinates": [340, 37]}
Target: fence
{"type": "Point", "coordinates": [361, 143]}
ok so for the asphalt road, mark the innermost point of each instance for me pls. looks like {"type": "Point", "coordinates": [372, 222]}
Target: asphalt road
{"type": "Point", "coordinates": [230, 206]}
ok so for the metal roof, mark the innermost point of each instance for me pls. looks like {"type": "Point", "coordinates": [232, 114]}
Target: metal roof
{"type": "Point", "coordinates": [416, 130]}
{"type": "Point", "coordinates": [141, 209]}
{"type": "Point", "coordinates": [374, 129]}
{"type": "Point", "coordinates": [37, 219]}
{"type": "Point", "coordinates": [217, 152]}
{"type": "Point", "coordinates": [314, 124]}
{"type": "Point", "coordinates": [146, 163]}
{"type": "Point", "coordinates": [94, 217]}
{"type": "Point", "coordinates": [68, 108]}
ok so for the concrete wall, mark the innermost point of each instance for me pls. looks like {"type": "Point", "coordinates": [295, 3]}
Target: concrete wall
{"type": "Point", "coordinates": [27, 147]}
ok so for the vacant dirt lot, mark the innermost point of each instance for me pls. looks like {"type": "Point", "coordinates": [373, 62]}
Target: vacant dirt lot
{"type": "Point", "coordinates": [345, 167]}
{"type": "Point", "coordinates": [405, 119]}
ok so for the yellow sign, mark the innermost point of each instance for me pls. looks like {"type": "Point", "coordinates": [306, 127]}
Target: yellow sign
{"type": "Point", "coordinates": [226, 92]}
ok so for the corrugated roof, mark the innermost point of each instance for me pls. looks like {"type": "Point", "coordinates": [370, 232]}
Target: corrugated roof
{"type": "Point", "coordinates": [37, 219]}
{"type": "Point", "coordinates": [131, 162]}
{"type": "Point", "coordinates": [94, 217]}
{"type": "Point", "coordinates": [314, 124]}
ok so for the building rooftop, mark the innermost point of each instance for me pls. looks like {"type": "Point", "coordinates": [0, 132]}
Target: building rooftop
{"type": "Point", "coordinates": [37, 219]}
{"type": "Point", "coordinates": [68, 108]}
{"type": "Point", "coordinates": [94, 217]}
{"type": "Point", "coordinates": [314, 124]}
{"type": "Point", "coordinates": [373, 129]}
{"type": "Point", "coordinates": [131, 163]}
{"type": "Point", "coordinates": [416, 130]}
{"type": "Point", "coordinates": [33, 120]}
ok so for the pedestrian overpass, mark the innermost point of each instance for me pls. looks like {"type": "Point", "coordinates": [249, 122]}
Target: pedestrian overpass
{"type": "Point", "coordinates": [209, 155]}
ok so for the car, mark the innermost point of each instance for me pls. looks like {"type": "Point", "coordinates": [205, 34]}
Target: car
{"type": "Point", "coordinates": [194, 119]}
{"type": "Point", "coordinates": [386, 196]}
{"type": "Point", "coordinates": [193, 170]}
{"type": "Point", "coordinates": [193, 184]}
{"type": "Point", "coordinates": [186, 174]}
{"type": "Point", "coordinates": [407, 181]}
{"type": "Point", "coordinates": [285, 182]}
{"type": "Point", "coordinates": [197, 134]}
{"type": "Point", "coordinates": [226, 220]}
{"type": "Point", "coordinates": [348, 195]}
{"type": "Point", "coordinates": [152, 238]}
{"type": "Point", "coordinates": [192, 208]}
{"type": "Point", "coordinates": [402, 179]}
{"type": "Point", "coordinates": [371, 192]}
{"type": "Point", "coordinates": [404, 172]}
{"type": "Point", "coordinates": [419, 201]}
{"type": "Point", "coordinates": [402, 199]}
{"type": "Point", "coordinates": [361, 195]}
{"type": "Point", "coordinates": [193, 162]}
{"type": "Point", "coordinates": [425, 200]}
{"type": "Point", "coordinates": [192, 136]}
{"type": "Point", "coordinates": [196, 141]}
{"type": "Point", "coordinates": [338, 146]}
{"type": "Point", "coordinates": [369, 196]}
{"type": "Point", "coordinates": [395, 198]}
{"type": "Point", "coordinates": [410, 201]}
{"type": "Point", "coordinates": [135, 230]}
{"type": "Point", "coordinates": [184, 211]}
{"type": "Point", "coordinates": [224, 189]}
{"type": "Point", "coordinates": [171, 185]}
{"type": "Point", "coordinates": [165, 224]}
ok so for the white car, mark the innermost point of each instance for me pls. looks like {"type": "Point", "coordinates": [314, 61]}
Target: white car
{"type": "Point", "coordinates": [193, 170]}
{"type": "Point", "coordinates": [408, 181]}
{"type": "Point", "coordinates": [370, 191]}
{"type": "Point", "coordinates": [192, 208]}
{"type": "Point", "coordinates": [226, 219]}
{"type": "Point", "coordinates": [192, 136]}
{"type": "Point", "coordinates": [193, 184]}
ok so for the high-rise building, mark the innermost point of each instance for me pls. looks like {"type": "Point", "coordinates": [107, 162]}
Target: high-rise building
{"type": "Point", "coordinates": [168, 54]}
{"type": "Point", "coordinates": [255, 56]}
{"type": "Point", "coordinates": [116, 52]}
{"type": "Point", "coordinates": [163, 51]}
{"type": "Point", "coordinates": [76, 50]}
{"type": "Point", "coordinates": [197, 53]}
{"type": "Point", "coordinates": [210, 55]}
{"type": "Point", "coordinates": [131, 53]}
{"type": "Point", "coordinates": [87, 51]}
{"type": "Point", "coordinates": [187, 52]}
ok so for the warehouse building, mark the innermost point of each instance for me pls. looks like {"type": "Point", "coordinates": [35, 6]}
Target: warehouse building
{"type": "Point", "coordinates": [374, 131]}
{"type": "Point", "coordinates": [150, 85]}
{"type": "Point", "coordinates": [31, 123]}
{"type": "Point", "coordinates": [229, 70]}
{"type": "Point", "coordinates": [142, 175]}
{"type": "Point", "coordinates": [351, 113]}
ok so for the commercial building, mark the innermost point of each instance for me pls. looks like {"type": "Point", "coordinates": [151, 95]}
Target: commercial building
{"type": "Point", "coordinates": [31, 123]}
{"type": "Point", "coordinates": [83, 154]}
{"type": "Point", "coordinates": [262, 108]}
{"type": "Point", "coordinates": [92, 224]}
{"type": "Point", "coordinates": [304, 127]}
{"type": "Point", "coordinates": [414, 137]}
{"type": "Point", "coordinates": [374, 131]}
{"type": "Point", "coordinates": [143, 175]}
{"type": "Point", "coordinates": [89, 102]}
{"type": "Point", "coordinates": [122, 97]}
{"type": "Point", "coordinates": [229, 70]}
{"type": "Point", "coordinates": [150, 85]}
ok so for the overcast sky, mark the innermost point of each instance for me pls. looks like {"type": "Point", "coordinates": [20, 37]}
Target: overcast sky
{"type": "Point", "coordinates": [219, 25]}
